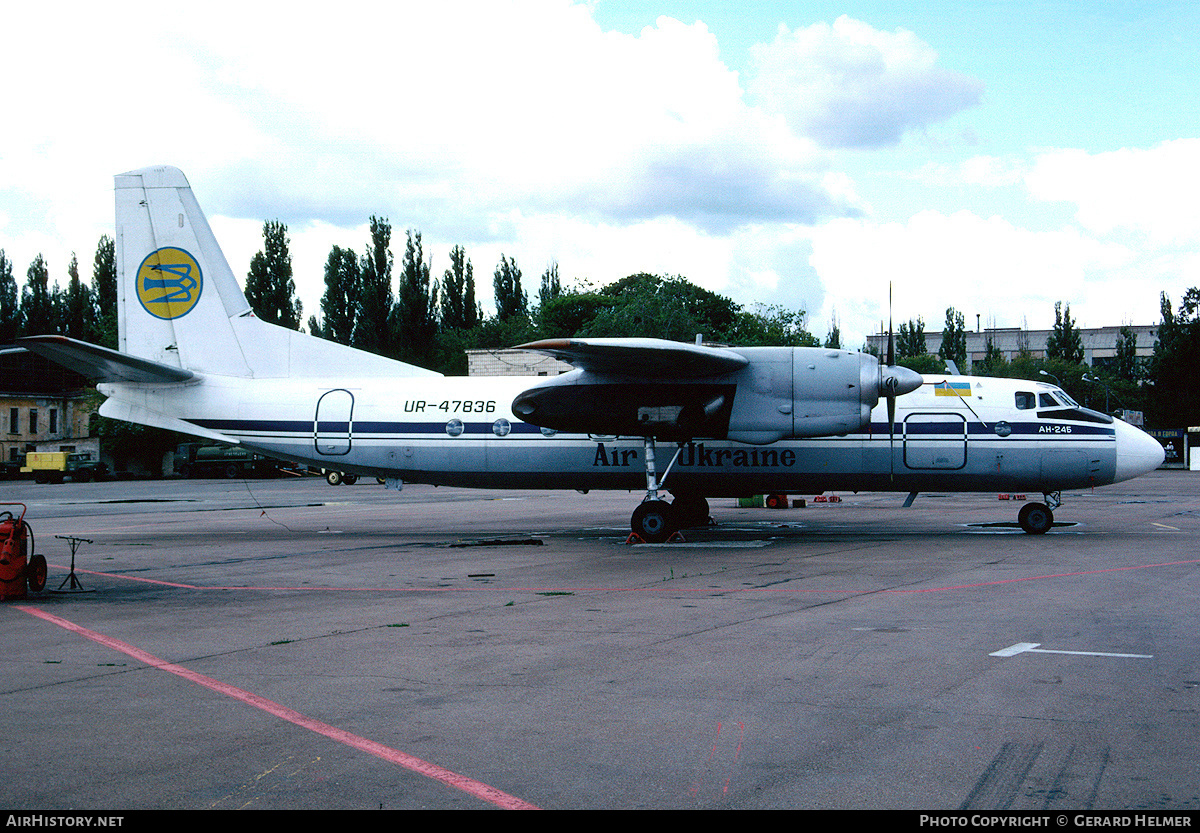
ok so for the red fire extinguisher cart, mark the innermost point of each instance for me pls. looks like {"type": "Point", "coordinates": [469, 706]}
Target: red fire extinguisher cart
{"type": "Point", "coordinates": [18, 570]}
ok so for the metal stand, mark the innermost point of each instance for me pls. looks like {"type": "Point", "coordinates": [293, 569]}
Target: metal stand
{"type": "Point", "coordinates": [76, 587]}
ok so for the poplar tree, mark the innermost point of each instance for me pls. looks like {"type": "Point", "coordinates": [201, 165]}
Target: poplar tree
{"type": "Point", "coordinates": [340, 301]}
{"type": "Point", "coordinates": [414, 319]}
{"type": "Point", "coordinates": [270, 288]}
{"type": "Point", "coordinates": [954, 340]}
{"type": "Point", "coordinates": [551, 288]}
{"type": "Point", "coordinates": [79, 314]}
{"type": "Point", "coordinates": [104, 292]}
{"type": "Point", "coordinates": [37, 304]}
{"type": "Point", "coordinates": [1126, 363]}
{"type": "Point", "coordinates": [1065, 341]}
{"type": "Point", "coordinates": [10, 306]}
{"type": "Point", "coordinates": [459, 310]}
{"type": "Point", "coordinates": [375, 299]}
{"type": "Point", "coordinates": [910, 340]}
{"type": "Point", "coordinates": [511, 300]}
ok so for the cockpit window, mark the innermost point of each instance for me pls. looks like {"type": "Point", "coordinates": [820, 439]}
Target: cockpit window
{"type": "Point", "coordinates": [1066, 398]}
{"type": "Point", "coordinates": [1025, 400]}
{"type": "Point", "coordinates": [1045, 400]}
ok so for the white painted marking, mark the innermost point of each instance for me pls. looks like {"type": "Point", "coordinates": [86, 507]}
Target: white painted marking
{"type": "Point", "coordinates": [1032, 648]}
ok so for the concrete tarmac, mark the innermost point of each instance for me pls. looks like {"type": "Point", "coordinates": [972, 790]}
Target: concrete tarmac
{"type": "Point", "coordinates": [272, 644]}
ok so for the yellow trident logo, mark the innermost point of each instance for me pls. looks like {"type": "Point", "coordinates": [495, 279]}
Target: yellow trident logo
{"type": "Point", "coordinates": [169, 283]}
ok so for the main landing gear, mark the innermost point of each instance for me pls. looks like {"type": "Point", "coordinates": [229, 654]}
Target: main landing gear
{"type": "Point", "coordinates": [1037, 518]}
{"type": "Point", "coordinates": [655, 520]}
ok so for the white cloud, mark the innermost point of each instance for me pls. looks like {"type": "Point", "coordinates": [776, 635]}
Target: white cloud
{"type": "Point", "coordinates": [1150, 191]}
{"type": "Point", "coordinates": [851, 85]}
{"type": "Point", "coordinates": [985, 266]}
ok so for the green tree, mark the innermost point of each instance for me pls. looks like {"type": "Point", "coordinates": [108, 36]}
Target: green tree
{"type": "Point", "coordinates": [270, 289]}
{"type": "Point", "coordinates": [772, 326]}
{"type": "Point", "coordinates": [459, 309]}
{"type": "Point", "coordinates": [10, 305]}
{"type": "Point", "coordinates": [570, 313]}
{"type": "Point", "coordinates": [675, 305]}
{"type": "Point", "coordinates": [1176, 400]}
{"type": "Point", "coordinates": [551, 288]}
{"type": "Point", "coordinates": [104, 292]}
{"type": "Point", "coordinates": [375, 297]}
{"type": "Point", "coordinates": [339, 303]}
{"type": "Point", "coordinates": [954, 340]}
{"type": "Point", "coordinates": [80, 311]}
{"type": "Point", "coordinates": [1126, 359]}
{"type": "Point", "coordinates": [993, 363]}
{"type": "Point", "coordinates": [37, 301]}
{"type": "Point", "coordinates": [1065, 341]}
{"type": "Point", "coordinates": [511, 300]}
{"type": "Point", "coordinates": [834, 339]}
{"type": "Point", "coordinates": [414, 318]}
{"type": "Point", "coordinates": [910, 341]}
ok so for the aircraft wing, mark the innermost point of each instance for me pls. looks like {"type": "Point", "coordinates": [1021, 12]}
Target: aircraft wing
{"type": "Point", "coordinates": [646, 357]}
{"type": "Point", "coordinates": [100, 363]}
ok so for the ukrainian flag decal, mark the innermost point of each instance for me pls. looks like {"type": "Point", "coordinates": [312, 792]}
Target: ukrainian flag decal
{"type": "Point", "coordinates": [952, 389]}
{"type": "Point", "coordinates": [169, 283]}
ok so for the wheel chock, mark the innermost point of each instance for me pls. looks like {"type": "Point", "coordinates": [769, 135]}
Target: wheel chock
{"type": "Point", "coordinates": [677, 538]}
{"type": "Point", "coordinates": [634, 538]}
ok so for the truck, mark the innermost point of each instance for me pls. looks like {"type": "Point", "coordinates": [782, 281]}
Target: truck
{"type": "Point", "coordinates": [197, 460]}
{"type": "Point", "coordinates": [56, 466]}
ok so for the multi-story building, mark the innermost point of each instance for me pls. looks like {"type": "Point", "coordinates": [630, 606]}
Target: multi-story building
{"type": "Point", "coordinates": [43, 407]}
{"type": "Point", "coordinates": [1099, 344]}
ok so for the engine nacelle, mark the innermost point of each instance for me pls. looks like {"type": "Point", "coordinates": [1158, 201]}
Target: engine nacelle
{"type": "Point", "coordinates": [789, 392]}
{"type": "Point", "coordinates": [781, 393]}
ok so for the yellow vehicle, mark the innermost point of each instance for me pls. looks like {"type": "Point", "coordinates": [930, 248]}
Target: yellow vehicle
{"type": "Point", "coordinates": [55, 466]}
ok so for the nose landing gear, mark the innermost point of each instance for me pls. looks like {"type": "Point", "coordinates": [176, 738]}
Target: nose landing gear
{"type": "Point", "coordinates": [1038, 518]}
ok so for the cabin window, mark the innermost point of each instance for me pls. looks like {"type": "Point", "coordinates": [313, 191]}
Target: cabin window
{"type": "Point", "coordinates": [1025, 400]}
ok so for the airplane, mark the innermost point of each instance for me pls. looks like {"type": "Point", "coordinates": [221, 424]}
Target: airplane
{"type": "Point", "coordinates": [738, 421]}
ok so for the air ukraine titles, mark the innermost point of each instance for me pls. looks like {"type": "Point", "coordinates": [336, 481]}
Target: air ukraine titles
{"type": "Point", "coordinates": [697, 455]}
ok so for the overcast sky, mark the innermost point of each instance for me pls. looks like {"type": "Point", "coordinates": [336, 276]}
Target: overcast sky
{"type": "Point", "coordinates": [993, 156]}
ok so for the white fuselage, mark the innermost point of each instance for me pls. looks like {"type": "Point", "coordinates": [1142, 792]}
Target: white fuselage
{"type": "Point", "coordinates": [460, 431]}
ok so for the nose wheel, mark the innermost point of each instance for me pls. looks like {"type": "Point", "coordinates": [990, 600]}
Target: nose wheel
{"type": "Point", "coordinates": [1037, 518]}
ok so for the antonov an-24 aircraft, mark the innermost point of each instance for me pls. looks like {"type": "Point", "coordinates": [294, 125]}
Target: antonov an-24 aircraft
{"type": "Point", "coordinates": [731, 421]}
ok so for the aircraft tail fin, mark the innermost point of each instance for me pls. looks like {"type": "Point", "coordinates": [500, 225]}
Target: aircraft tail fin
{"type": "Point", "coordinates": [179, 305]}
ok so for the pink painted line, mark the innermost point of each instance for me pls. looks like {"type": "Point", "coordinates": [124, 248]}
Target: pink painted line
{"type": "Point", "coordinates": [437, 773]}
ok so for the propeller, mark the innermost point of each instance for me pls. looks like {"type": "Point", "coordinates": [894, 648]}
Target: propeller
{"type": "Point", "coordinates": [894, 381]}
{"type": "Point", "coordinates": [890, 383]}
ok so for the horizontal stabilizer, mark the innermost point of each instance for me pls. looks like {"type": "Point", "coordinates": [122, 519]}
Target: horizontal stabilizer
{"type": "Point", "coordinates": [647, 357]}
{"type": "Point", "coordinates": [131, 412]}
{"type": "Point", "coordinates": [100, 363]}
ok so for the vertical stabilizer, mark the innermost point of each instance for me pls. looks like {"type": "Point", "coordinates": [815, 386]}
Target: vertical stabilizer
{"type": "Point", "coordinates": [178, 303]}
{"type": "Point", "coordinates": [176, 295]}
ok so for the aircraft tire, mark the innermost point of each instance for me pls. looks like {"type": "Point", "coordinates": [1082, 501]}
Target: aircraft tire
{"type": "Point", "coordinates": [334, 478]}
{"type": "Point", "coordinates": [653, 521]}
{"type": "Point", "coordinates": [1035, 518]}
{"type": "Point", "coordinates": [349, 479]}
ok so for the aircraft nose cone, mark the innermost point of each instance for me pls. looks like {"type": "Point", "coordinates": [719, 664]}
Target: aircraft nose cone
{"type": "Point", "coordinates": [1137, 452]}
{"type": "Point", "coordinates": [897, 380]}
